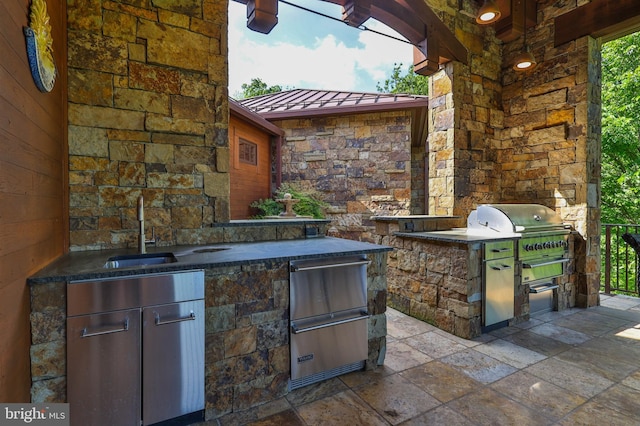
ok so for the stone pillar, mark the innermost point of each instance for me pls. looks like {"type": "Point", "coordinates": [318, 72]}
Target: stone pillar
{"type": "Point", "coordinates": [588, 262]}
{"type": "Point", "coordinates": [440, 142]}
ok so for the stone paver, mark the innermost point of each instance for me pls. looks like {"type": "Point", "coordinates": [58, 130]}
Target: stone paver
{"type": "Point", "coordinates": [565, 368]}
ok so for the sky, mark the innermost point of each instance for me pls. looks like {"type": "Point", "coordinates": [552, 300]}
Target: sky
{"type": "Point", "coordinates": [307, 51]}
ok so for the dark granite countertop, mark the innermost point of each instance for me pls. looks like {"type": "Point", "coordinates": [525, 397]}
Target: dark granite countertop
{"type": "Point", "coordinates": [427, 217]}
{"type": "Point", "coordinates": [84, 265]}
{"type": "Point", "coordinates": [457, 235]}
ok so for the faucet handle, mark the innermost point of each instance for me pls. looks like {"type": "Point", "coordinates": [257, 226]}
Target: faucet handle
{"type": "Point", "coordinates": [153, 236]}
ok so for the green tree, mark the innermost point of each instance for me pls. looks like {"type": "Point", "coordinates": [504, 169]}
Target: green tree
{"type": "Point", "coordinates": [257, 87]}
{"type": "Point", "coordinates": [621, 130]}
{"type": "Point", "coordinates": [409, 83]}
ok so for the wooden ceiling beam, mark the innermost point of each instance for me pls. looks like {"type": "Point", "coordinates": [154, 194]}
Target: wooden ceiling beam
{"type": "Point", "coordinates": [437, 28]}
{"type": "Point", "coordinates": [518, 18]}
{"type": "Point", "coordinates": [608, 19]}
{"type": "Point", "coordinates": [356, 12]}
{"type": "Point", "coordinates": [434, 43]}
{"type": "Point", "coordinates": [426, 57]}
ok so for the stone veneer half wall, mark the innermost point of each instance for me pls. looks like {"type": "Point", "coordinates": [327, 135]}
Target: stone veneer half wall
{"type": "Point", "coordinates": [148, 115]}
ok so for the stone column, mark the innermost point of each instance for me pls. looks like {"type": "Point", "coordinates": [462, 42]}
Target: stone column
{"type": "Point", "coordinates": [588, 248]}
{"type": "Point", "coordinates": [441, 142]}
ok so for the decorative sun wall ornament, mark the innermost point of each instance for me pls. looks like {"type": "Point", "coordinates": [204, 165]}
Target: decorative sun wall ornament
{"type": "Point", "coordinates": [40, 47]}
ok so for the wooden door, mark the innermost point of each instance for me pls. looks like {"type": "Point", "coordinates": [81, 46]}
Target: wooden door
{"type": "Point", "coordinates": [250, 167]}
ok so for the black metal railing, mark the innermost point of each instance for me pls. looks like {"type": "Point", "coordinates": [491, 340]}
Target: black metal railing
{"type": "Point", "coordinates": [619, 260]}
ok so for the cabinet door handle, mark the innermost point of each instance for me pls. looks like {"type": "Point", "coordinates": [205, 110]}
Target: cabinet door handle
{"type": "Point", "coordinates": [123, 327]}
{"type": "Point", "coordinates": [190, 317]}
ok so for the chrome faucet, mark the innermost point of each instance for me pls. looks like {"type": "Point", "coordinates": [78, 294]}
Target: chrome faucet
{"type": "Point", "coordinates": [142, 239]}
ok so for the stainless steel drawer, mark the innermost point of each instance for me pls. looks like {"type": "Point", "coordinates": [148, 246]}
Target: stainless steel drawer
{"type": "Point", "coordinates": [323, 349]}
{"type": "Point", "coordinates": [498, 250]}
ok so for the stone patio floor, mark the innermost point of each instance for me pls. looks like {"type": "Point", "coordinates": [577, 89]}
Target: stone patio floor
{"type": "Point", "coordinates": [576, 367]}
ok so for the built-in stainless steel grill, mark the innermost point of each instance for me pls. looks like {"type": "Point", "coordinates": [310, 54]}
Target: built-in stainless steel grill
{"type": "Point", "coordinates": [542, 243]}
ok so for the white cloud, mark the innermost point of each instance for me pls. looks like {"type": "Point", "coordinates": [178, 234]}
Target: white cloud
{"type": "Point", "coordinates": [327, 63]}
{"type": "Point", "coordinates": [381, 53]}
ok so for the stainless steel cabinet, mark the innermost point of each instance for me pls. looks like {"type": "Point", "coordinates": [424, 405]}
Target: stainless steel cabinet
{"type": "Point", "coordinates": [103, 368]}
{"type": "Point", "coordinates": [499, 282]}
{"type": "Point", "coordinates": [141, 362]}
{"type": "Point", "coordinates": [172, 360]}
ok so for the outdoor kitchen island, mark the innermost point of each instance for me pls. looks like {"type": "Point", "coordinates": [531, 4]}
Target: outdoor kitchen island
{"type": "Point", "coordinates": [436, 273]}
{"type": "Point", "coordinates": [246, 315]}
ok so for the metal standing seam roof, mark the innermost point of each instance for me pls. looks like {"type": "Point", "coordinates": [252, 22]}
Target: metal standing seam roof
{"type": "Point", "coordinates": [305, 102]}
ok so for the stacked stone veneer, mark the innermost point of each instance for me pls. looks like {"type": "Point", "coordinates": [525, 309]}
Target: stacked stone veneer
{"type": "Point", "coordinates": [361, 164]}
{"type": "Point", "coordinates": [246, 340]}
{"type": "Point", "coordinates": [148, 114]}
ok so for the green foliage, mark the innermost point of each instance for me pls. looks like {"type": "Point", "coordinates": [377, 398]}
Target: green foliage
{"type": "Point", "coordinates": [621, 130]}
{"type": "Point", "coordinates": [257, 87]}
{"type": "Point", "coordinates": [310, 203]}
{"type": "Point", "coordinates": [409, 83]}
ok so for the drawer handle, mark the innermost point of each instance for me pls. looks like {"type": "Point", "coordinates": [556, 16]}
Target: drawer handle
{"type": "Point", "coordinates": [296, 330]}
{"type": "Point", "coordinates": [501, 267]}
{"type": "Point", "coordinates": [124, 327]}
{"type": "Point", "coordinates": [191, 317]}
{"type": "Point", "coordinates": [331, 265]}
{"type": "Point", "coordinates": [501, 250]}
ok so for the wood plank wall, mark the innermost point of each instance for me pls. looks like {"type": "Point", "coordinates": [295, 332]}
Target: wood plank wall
{"type": "Point", "coordinates": [33, 182]}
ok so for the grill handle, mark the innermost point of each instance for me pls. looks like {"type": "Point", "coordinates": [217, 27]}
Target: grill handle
{"type": "Point", "coordinates": [551, 262]}
{"type": "Point", "coordinates": [543, 287]}
{"type": "Point", "coordinates": [331, 265]}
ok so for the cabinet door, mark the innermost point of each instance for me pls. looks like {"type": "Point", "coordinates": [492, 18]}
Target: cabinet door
{"type": "Point", "coordinates": [499, 291]}
{"type": "Point", "coordinates": [173, 360]}
{"type": "Point", "coordinates": [103, 374]}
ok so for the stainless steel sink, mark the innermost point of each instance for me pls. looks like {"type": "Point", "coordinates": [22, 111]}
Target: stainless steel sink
{"type": "Point", "coordinates": [210, 249]}
{"type": "Point", "coordinates": [131, 260]}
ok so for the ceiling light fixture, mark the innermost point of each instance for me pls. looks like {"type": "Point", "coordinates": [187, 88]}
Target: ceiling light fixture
{"type": "Point", "coordinates": [488, 13]}
{"type": "Point", "coordinates": [525, 60]}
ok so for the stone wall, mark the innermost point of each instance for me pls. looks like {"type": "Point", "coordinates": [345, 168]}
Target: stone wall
{"type": "Point", "coordinates": [246, 337]}
{"type": "Point", "coordinates": [148, 114]}
{"type": "Point", "coordinates": [497, 135]}
{"type": "Point", "coordinates": [361, 164]}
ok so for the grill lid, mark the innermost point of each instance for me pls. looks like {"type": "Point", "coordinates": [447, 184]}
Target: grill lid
{"type": "Point", "coordinates": [514, 218]}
